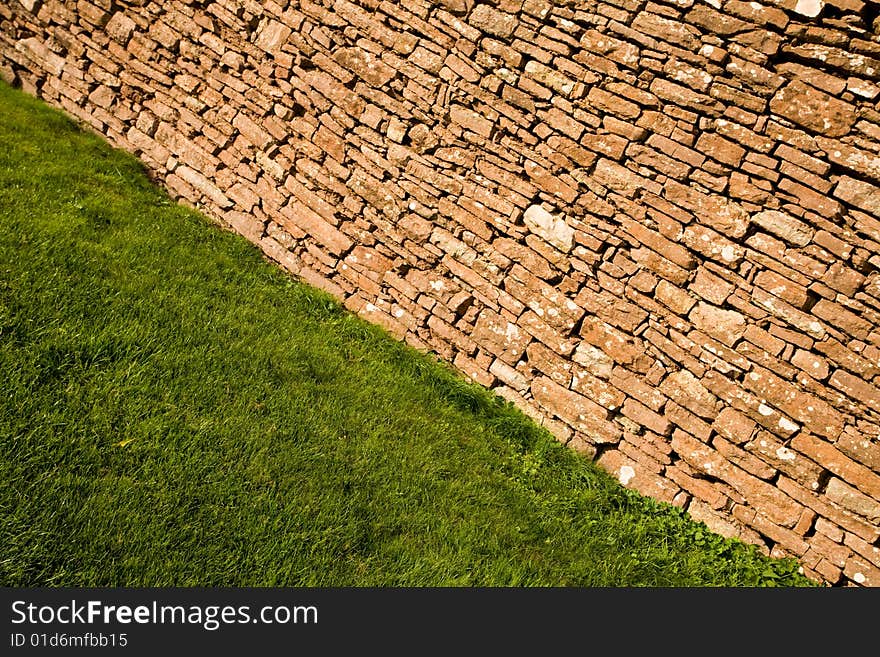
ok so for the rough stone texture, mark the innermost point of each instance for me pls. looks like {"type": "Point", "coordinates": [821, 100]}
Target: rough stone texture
{"type": "Point", "coordinates": [784, 226]}
{"type": "Point", "coordinates": [655, 226]}
{"type": "Point", "coordinates": [813, 109]}
{"type": "Point", "coordinates": [553, 229]}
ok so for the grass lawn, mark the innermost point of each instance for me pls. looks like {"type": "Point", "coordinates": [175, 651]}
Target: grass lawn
{"type": "Point", "coordinates": [176, 411]}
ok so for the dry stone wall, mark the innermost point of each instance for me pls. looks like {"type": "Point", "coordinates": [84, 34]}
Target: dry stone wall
{"type": "Point", "coordinates": [654, 226]}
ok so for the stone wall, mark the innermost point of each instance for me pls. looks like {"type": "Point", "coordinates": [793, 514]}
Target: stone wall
{"type": "Point", "coordinates": [654, 226]}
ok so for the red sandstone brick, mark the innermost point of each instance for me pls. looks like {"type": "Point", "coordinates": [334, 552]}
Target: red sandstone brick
{"type": "Point", "coordinates": [548, 362]}
{"type": "Point", "coordinates": [551, 183]}
{"type": "Point", "coordinates": [828, 529]}
{"type": "Point", "coordinates": [835, 245]}
{"type": "Point", "coordinates": [751, 404]}
{"type": "Point", "coordinates": [816, 414]}
{"type": "Point", "coordinates": [681, 417]}
{"type": "Point", "coordinates": [571, 150]}
{"type": "Point", "coordinates": [815, 366]}
{"type": "Point", "coordinates": [785, 335]}
{"type": "Point", "coordinates": [610, 308]}
{"type": "Point", "coordinates": [644, 416]}
{"type": "Point", "coordinates": [616, 50]}
{"type": "Point", "coordinates": [852, 500]}
{"type": "Point", "coordinates": [509, 375]}
{"type": "Point", "coordinates": [203, 185]}
{"type": "Point", "coordinates": [609, 145]}
{"type": "Point", "coordinates": [462, 68]}
{"type": "Point", "coordinates": [825, 454]}
{"type": "Point", "coordinates": [552, 306]}
{"type": "Point", "coordinates": [843, 279]}
{"type": "Point", "coordinates": [315, 226]}
{"type": "Point", "coordinates": [634, 475]}
{"type": "Point", "coordinates": [522, 254]}
{"type": "Point", "coordinates": [500, 336]}
{"type": "Point", "coordinates": [788, 313]}
{"type": "Point", "coordinates": [621, 179]}
{"type": "Point", "coordinates": [471, 120]}
{"type": "Point", "coordinates": [599, 391]}
{"type": "Point", "coordinates": [700, 488]}
{"type": "Point", "coordinates": [621, 348]}
{"type": "Point", "coordinates": [656, 242]}
{"type": "Point", "coordinates": [810, 199]}
{"type": "Point", "coordinates": [728, 326]}
{"type": "Point", "coordinates": [667, 350]}
{"type": "Point", "coordinates": [791, 543]}
{"type": "Point", "coordinates": [684, 388]}
{"type": "Point", "coordinates": [847, 321]}
{"type": "Point", "coordinates": [761, 338]}
{"type": "Point", "coordinates": [677, 150]}
{"type": "Point", "coordinates": [863, 548]}
{"type": "Point", "coordinates": [860, 447]}
{"type": "Point", "coordinates": [674, 298]}
{"type": "Point", "coordinates": [541, 330]}
{"type": "Point", "coordinates": [862, 572]}
{"type": "Point", "coordinates": [743, 459]}
{"type": "Point", "coordinates": [784, 226]}
{"type": "Point", "coordinates": [783, 288]}
{"type": "Point", "coordinates": [473, 370]}
{"type": "Point", "coordinates": [721, 149]}
{"type": "Point", "coordinates": [633, 385]}
{"type": "Point", "coordinates": [715, 211]}
{"type": "Point", "coordinates": [862, 162]}
{"type": "Point", "coordinates": [712, 288]}
{"type": "Point", "coordinates": [643, 458]}
{"type": "Point", "coordinates": [251, 131]}
{"type": "Point", "coordinates": [613, 104]}
{"type": "Point", "coordinates": [594, 359]}
{"type": "Point", "coordinates": [648, 157]}
{"type": "Point", "coordinates": [734, 426]}
{"type": "Point", "coordinates": [846, 358]}
{"type": "Point", "coordinates": [576, 410]}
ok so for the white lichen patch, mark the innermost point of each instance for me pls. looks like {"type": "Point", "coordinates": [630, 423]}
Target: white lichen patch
{"type": "Point", "coordinates": [788, 425]}
{"type": "Point", "coordinates": [785, 454]}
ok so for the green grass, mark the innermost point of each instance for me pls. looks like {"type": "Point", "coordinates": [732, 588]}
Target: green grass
{"type": "Point", "coordinates": [175, 410]}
